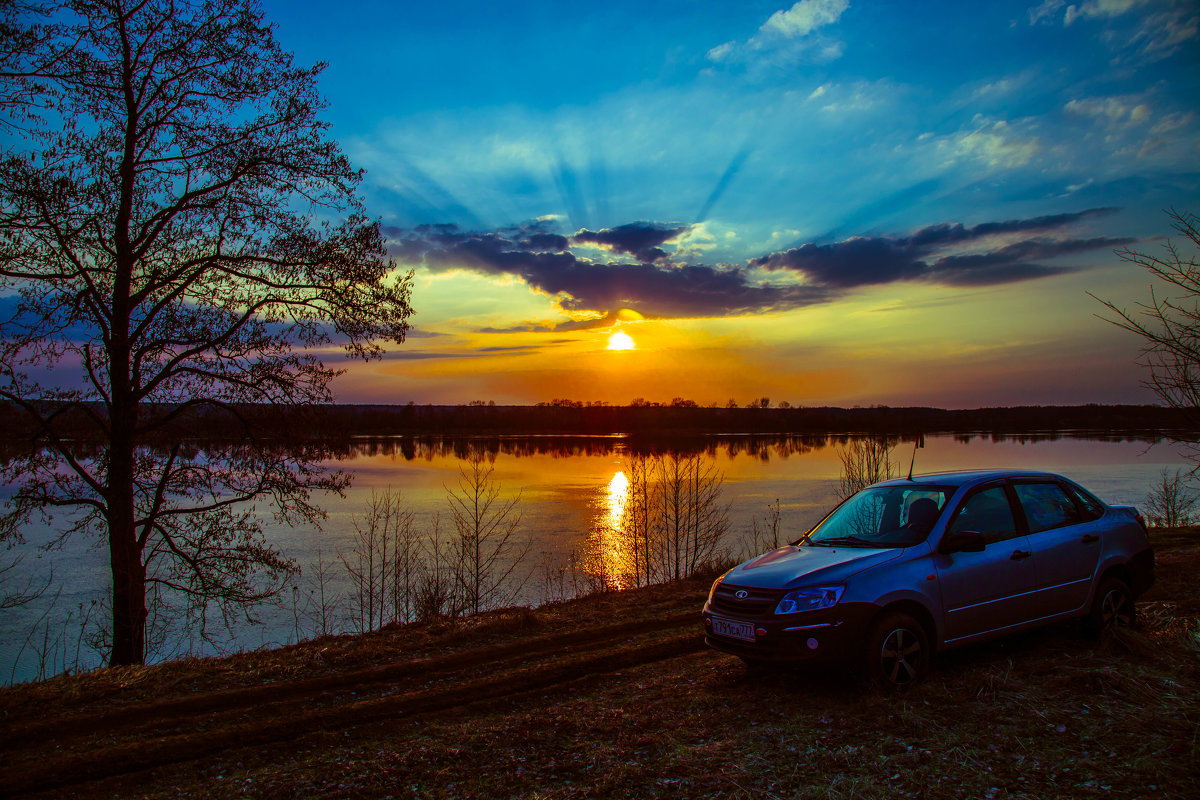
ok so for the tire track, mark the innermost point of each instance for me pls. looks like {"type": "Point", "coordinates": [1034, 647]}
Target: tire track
{"type": "Point", "coordinates": [50, 770]}
{"type": "Point", "coordinates": [24, 736]}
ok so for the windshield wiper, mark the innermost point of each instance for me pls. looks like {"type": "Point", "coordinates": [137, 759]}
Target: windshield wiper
{"type": "Point", "coordinates": [851, 541]}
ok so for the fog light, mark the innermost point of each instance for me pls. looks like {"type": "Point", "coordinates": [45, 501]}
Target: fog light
{"type": "Point", "coordinates": [707, 622]}
{"type": "Point", "coordinates": [813, 644]}
{"type": "Point", "coordinates": [760, 631]}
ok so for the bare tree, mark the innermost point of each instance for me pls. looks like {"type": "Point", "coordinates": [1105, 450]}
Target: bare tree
{"type": "Point", "coordinates": [486, 549]}
{"type": "Point", "coordinates": [435, 594]}
{"type": "Point", "coordinates": [14, 597]}
{"type": "Point", "coordinates": [323, 603]}
{"type": "Point", "coordinates": [385, 562]}
{"type": "Point", "coordinates": [673, 522]}
{"type": "Point", "coordinates": [1169, 323]}
{"type": "Point", "coordinates": [175, 241]}
{"type": "Point", "coordinates": [25, 60]}
{"type": "Point", "coordinates": [638, 518]}
{"type": "Point", "coordinates": [1171, 503]}
{"type": "Point", "coordinates": [866, 460]}
{"type": "Point", "coordinates": [692, 518]}
{"type": "Point", "coordinates": [764, 536]}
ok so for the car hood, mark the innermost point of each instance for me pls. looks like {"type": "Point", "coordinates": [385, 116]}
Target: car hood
{"type": "Point", "coordinates": [791, 566]}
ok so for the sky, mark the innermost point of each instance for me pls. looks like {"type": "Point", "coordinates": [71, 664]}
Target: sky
{"type": "Point", "coordinates": [830, 202]}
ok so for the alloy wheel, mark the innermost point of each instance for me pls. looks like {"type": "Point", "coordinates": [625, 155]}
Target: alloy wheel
{"type": "Point", "coordinates": [1115, 609]}
{"type": "Point", "coordinates": [900, 656]}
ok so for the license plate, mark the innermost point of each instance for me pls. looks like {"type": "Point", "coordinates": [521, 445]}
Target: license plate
{"type": "Point", "coordinates": [733, 629]}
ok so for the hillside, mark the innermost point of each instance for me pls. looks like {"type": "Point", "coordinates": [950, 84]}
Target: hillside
{"type": "Point", "coordinates": [614, 696]}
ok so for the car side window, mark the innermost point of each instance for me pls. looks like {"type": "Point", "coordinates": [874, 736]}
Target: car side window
{"type": "Point", "coordinates": [1046, 506]}
{"type": "Point", "coordinates": [1092, 508]}
{"type": "Point", "coordinates": [986, 512]}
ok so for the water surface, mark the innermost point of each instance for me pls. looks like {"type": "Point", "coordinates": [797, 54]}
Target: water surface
{"type": "Point", "coordinates": [569, 487]}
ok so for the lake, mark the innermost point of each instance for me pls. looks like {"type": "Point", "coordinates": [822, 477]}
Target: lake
{"type": "Point", "coordinates": [569, 487]}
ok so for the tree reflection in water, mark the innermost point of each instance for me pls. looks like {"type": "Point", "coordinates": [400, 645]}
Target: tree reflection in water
{"type": "Point", "coordinates": [665, 524]}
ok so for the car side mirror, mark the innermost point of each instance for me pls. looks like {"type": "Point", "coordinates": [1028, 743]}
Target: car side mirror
{"type": "Point", "coordinates": [964, 542]}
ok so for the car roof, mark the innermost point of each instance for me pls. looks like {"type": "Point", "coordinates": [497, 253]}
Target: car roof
{"type": "Point", "coordinates": [959, 478]}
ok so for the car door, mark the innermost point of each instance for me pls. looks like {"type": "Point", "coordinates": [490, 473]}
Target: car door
{"type": "Point", "coordinates": [1065, 539]}
{"type": "Point", "coordinates": [989, 590]}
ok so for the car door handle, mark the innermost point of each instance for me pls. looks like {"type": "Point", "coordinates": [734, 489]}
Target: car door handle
{"type": "Point", "coordinates": [1017, 555]}
{"type": "Point", "coordinates": [1088, 538]}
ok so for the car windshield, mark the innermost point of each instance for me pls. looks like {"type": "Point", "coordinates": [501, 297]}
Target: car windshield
{"type": "Point", "coordinates": [883, 516]}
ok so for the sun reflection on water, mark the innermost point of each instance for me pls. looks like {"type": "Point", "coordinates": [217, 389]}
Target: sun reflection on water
{"type": "Point", "coordinates": [618, 494]}
{"type": "Point", "coordinates": [608, 560]}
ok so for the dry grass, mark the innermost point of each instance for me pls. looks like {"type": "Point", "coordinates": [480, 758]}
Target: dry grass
{"type": "Point", "coordinates": [1045, 715]}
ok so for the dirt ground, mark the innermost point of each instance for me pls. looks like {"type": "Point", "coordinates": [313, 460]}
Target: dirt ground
{"type": "Point", "coordinates": [616, 696]}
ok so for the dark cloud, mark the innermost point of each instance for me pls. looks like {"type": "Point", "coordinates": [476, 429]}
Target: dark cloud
{"type": "Point", "coordinates": [656, 290]}
{"type": "Point", "coordinates": [955, 233]}
{"type": "Point", "coordinates": [667, 291]}
{"type": "Point", "coordinates": [656, 286]}
{"type": "Point", "coordinates": [642, 240]}
{"type": "Point", "coordinates": [1024, 252]}
{"type": "Point", "coordinates": [515, 350]}
{"type": "Point", "coordinates": [416, 332]}
{"type": "Point", "coordinates": [606, 321]}
{"type": "Point", "coordinates": [865, 261]}
{"type": "Point", "coordinates": [546, 241]}
{"type": "Point", "coordinates": [859, 261]}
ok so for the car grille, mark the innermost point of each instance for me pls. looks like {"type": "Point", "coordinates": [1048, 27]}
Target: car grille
{"type": "Point", "coordinates": [756, 603]}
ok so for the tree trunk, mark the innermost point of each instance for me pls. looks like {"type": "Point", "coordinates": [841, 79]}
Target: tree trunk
{"type": "Point", "coordinates": [125, 555]}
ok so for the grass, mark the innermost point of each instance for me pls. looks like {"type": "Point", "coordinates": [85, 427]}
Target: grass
{"type": "Point", "coordinates": [1044, 715]}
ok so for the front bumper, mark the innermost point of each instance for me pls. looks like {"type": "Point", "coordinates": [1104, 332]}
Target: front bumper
{"type": "Point", "coordinates": [832, 634]}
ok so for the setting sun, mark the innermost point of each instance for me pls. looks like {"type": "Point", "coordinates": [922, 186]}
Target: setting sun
{"type": "Point", "coordinates": [620, 341]}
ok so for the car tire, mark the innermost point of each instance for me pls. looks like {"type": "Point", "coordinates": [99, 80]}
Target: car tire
{"type": "Point", "coordinates": [897, 652]}
{"type": "Point", "coordinates": [1112, 607]}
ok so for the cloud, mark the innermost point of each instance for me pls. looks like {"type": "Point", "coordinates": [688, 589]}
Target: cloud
{"type": "Point", "coordinates": [857, 261]}
{"type": "Point", "coordinates": [1015, 262]}
{"type": "Point", "coordinates": [1099, 9]}
{"type": "Point", "coordinates": [642, 240]}
{"type": "Point", "coordinates": [804, 17]}
{"type": "Point", "coordinates": [1115, 110]}
{"type": "Point", "coordinates": [1158, 35]}
{"type": "Point", "coordinates": [1045, 12]}
{"type": "Point", "coordinates": [866, 261]}
{"type": "Point", "coordinates": [788, 34]}
{"type": "Point", "coordinates": [995, 145]}
{"type": "Point", "coordinates": [947, 253]}
{"type": "Point", "coordinates": [650, 287]}
{"type": "Point", "coordinates": [1161, 34]}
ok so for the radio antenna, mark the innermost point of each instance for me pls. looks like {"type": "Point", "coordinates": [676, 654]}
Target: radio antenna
{"type": "Point", "coordinates": [920, 442]}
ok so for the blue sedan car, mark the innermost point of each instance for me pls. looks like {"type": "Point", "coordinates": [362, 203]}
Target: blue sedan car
{"type": "Point", "coordinates": [912, 566]}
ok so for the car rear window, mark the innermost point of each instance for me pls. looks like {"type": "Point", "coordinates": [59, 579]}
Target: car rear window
{"type": "Point", "coordinates": [1092, 508]}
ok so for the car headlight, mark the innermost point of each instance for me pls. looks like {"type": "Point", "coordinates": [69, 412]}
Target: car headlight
{"type": "Point", "coordinates": [809, 599]}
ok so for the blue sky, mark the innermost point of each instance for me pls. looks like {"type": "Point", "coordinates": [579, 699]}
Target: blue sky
{"type": "Point", "coordinates": [748, 188]}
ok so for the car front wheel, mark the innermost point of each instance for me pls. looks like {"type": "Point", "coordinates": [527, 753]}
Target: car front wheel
{"type": "Point", "coordinates": [1112, 607]}
{"type": "Point", "coordinates": [897, 652]}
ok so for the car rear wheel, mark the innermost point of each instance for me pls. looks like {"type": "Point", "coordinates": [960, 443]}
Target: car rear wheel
{"type": "Point", "coordinates": [897, 652]}
{"type": "Point", "coordinates": [1112, 607]}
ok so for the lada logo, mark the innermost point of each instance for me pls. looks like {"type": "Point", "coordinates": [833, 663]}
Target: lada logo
{"type": "Point", "coordinates": [741, 594]}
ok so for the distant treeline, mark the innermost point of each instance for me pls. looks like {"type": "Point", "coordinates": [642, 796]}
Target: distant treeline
{"type": "Point", "coordinates": [641, 421]}
{"type": "Point", "coordinates": [653, 421]}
